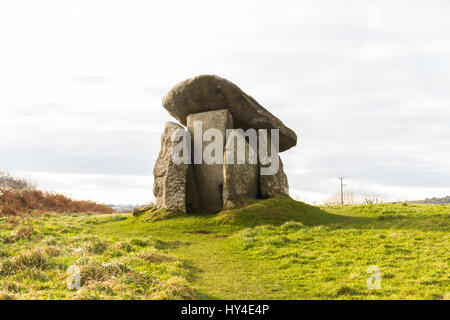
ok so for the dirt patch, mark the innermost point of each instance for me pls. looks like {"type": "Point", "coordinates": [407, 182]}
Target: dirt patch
{"type": "Point", "coordinates": [220, 236]}
{"type": "Point", "coordinates": [200, 232]}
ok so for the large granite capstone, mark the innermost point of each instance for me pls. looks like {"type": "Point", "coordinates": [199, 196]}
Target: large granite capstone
{"type": "Point", "coordinates": [210, 92]}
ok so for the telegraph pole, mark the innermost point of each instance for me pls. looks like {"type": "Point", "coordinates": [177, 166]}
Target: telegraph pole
{"type": "Point", "coordinates": [342, 189]}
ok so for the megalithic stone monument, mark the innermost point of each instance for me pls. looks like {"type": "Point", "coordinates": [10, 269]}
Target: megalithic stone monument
{"type": "Point", "coordinates": [214, 109]}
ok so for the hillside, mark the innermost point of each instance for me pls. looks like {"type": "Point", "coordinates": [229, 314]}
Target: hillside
{"type": "Point", "coordinates": [36, 202]}
{"type": "Point", "coordinates": [268, 249]}
{"type": "Point", "coordinates": [19, 196]}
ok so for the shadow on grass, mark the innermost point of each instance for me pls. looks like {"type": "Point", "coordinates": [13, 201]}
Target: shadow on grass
{"type": "Point", "coordinates": [192, 275]}
{"type": "Point", "coordinates": [171, 244]}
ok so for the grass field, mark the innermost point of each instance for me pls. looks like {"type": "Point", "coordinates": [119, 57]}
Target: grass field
{"type": "Point", "coordinates": [269, 249]}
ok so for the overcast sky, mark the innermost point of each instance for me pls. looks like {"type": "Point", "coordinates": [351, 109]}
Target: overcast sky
{"type": "Point", "coordinates": [365, 86]}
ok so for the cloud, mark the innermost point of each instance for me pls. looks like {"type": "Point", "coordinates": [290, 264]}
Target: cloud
{"type": "Point", "coordinates": [106, 188]}
{"type": "Point", "coordinates": [369, 101]}
{"type": "Point", "coordinates": [88, 79]}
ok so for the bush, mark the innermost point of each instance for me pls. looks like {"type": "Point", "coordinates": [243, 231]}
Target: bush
{"type": "Point", "coordinates": [8, 182]}
{"type": "Point", "coordinates": [20, 196]}
{"type": "Point", "coordinates": [14, 203]}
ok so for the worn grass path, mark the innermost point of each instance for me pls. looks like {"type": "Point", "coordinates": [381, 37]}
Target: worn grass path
{"type": "Point", "coordinates": [217, 269]}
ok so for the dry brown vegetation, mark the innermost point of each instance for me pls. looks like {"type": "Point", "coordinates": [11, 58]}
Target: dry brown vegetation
{"type": "Point", "coordinates": [19, 196]}
{"type": "Point", "coordinates": [14, 203]}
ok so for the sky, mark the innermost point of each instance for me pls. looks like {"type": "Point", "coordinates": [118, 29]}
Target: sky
{"type": "Point", "coordinates": [365, 86]}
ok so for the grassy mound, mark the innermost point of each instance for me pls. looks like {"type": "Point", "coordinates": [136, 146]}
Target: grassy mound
{"type": "Point", "coordinates": [254, 212]}
{"type": "Point", "coordinates": [276, 211]}
{"type": "Point", "coordinates": [155, 214]}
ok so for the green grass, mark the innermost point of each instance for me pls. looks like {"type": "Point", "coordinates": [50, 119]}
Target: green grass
{"type": "Point", "coordinates": [268, 249]}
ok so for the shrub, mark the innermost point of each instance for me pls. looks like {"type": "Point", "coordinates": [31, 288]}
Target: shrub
{"type": "Point", "coordinates": [14, 203]}
{"type": "Point", "coordinates": [20, 196]}
{"type": "Point", "coordinates": [8, 182]}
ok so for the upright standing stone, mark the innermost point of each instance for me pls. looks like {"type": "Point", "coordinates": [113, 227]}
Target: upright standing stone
{"type": "Point", "coordinates": [240, 180]}
{"type": "Point", "coordinates": [270, 185]}
{"type": "Point", "coordinates": [170, 181]}
{"type": "Point", "coordinates": [209, 177]}
{"type": "Point", "coordinates": [192, 203]}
